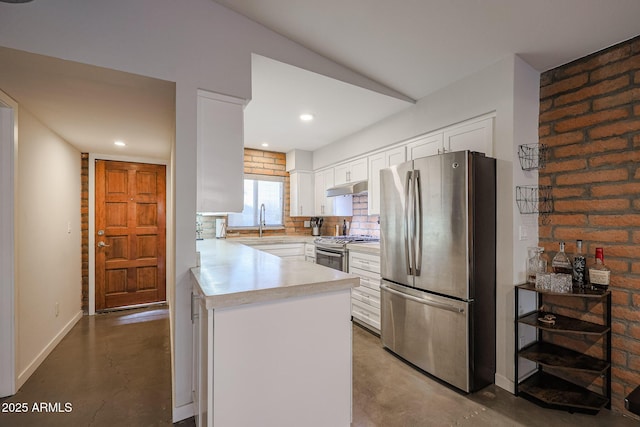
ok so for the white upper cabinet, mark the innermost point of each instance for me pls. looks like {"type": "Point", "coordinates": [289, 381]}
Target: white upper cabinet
{"type": "Point", "coordinates": [323, 180]}
{"type": "Point", "coordinates": [377, 162]}
{"type": "Point", "coordinates": [301, 191]}
{"type": "Point", "coordinates": [330, 206]}
{"type": "Point", "coordinates": [424, 146]}
{"type": "Point", "coordinates": [472, 135]}
{"type": "Point", "coordinates": [477, 136]}
{"type": "Point", "coordinates": [220, 148]}
{"type": "Point", "coordinates": [353, 171]}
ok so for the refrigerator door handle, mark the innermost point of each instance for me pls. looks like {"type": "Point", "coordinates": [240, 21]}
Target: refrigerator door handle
{"type": "Point", "coordinates": [447, 307]}
{"type": "Point", "coordinates": [417, 188]}
{"type": "Point", "coordinates": [408, 226]}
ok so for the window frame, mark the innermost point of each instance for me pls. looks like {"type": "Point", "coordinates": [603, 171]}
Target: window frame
{"type": "Point", "coordinates": [256, 211]}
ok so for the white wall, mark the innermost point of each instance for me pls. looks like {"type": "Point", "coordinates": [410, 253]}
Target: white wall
{"type": "Point", "coordinates": [49, 242]}
{"type": "Point", "coordinates": [8, 154]}
{"type": "Point", "coordinates": [198, 44]}
{"type": "Point", "coordinates": [510, 89]}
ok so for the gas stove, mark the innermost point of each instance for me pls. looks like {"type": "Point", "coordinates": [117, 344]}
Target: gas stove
{"type": "Point", "coordinates": [331, 251]}
{"type": "Point", "coordinates": [343, 240]}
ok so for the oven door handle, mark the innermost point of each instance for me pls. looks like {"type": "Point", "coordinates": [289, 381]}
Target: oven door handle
{"type": "Point", "coordinates": [331, 254]}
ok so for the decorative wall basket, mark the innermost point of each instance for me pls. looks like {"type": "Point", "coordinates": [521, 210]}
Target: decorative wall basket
{"type": "Point", "coordinates": [533, 156]}
{"type": "Point", "coordinates": [535, 199]}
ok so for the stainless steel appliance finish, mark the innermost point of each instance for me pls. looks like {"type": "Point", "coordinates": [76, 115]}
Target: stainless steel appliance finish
{"type": "Point", "coordinates": [437, 227]}
{"type": "Point", "coordinates": [437, 340]}
{"type": "Point", "coordinates": [331, 251]}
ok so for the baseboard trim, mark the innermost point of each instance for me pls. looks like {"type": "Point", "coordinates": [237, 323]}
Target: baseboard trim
{"type": "Point", "coordinates": [37, 361]}
{"type": "Point", "coordinates": [183, 412]}
{"type": "Point", "coordinates": [505, 383]}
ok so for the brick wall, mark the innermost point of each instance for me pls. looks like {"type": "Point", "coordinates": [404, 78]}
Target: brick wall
{"type": "Point", "coordinates": [272, 163]}
{"type": "Point", "coordinates": [84, 219]}
{"type": "Point", "coordinates": [361, 222]}
{"type": "Point", "coordinates": [590, 119]}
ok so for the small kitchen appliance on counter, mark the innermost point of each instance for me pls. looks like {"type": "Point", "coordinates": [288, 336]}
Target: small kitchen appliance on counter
{"type": "Point", "coordinates": [221, 228]}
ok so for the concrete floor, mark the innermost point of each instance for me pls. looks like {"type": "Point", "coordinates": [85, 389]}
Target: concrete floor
{"type": "Point", "coordinates": [115, 370]}
{"type": "Point", "coordinates": [388, 393]}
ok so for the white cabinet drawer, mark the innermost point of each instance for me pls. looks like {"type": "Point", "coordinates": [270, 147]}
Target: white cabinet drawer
{"type": "Point", "coordinates": [372, 283]}
{"type": "Point", "coordinates": [367, 296]}
{"type": "Point", "coordinates": [364, 273]}
{"type": "Point", "coordinates": [365, 313]}
{"type": "Point", "coordinates": [310, 250]}
{"type": "Point", "coordinates": [283, 249]}
{"type": "Point", "coordinates": [364, 261]}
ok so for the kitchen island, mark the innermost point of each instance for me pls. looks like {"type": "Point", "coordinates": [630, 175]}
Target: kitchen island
{"type": "Point", "coordinates": [272, 339]}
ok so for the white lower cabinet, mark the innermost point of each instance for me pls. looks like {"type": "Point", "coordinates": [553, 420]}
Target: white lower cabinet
{"type": "Point", "coordinates": [287, 251]}
{"type": "Point", "coordinates": [310, 253]}
{"type": "Point", "coordinates": [365, 299]}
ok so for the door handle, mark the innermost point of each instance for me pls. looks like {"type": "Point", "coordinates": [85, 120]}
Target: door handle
{"type": "Point", "coordinates": [408, 224]}
{"type": "Point", "coordinates": [435, 304]}
{"type": "Point", "coordinates": [103, 245]}
{"type": "Point", "coordinates": [417, 188]}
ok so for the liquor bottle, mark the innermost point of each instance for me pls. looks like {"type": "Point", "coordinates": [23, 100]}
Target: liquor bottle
{"type": "Point", "coordinates": [579, 266]}
{"type": "Point", "coordinates": [561, 262]}
{"type": "Point", "coordinates": [535, 263]}
{"type": "Point", "coordinates": [600, 274]}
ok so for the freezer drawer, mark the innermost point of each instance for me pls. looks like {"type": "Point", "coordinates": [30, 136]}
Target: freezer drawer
{"type": "Point", "coordinates": [429, 331]}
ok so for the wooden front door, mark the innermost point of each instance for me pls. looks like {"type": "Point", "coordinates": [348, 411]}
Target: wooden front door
{"type": "Point", "coordinates": [130, 234]}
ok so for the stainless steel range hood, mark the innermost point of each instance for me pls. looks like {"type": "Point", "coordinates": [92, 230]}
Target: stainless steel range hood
{"type": "Point", "coordinates": [359, 187]}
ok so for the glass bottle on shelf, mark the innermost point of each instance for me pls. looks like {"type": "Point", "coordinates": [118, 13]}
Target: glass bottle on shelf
{"type": "Point", "coordinates": [579, 266]}
{"type": "Point", "coordinates": [561, 262]}
{"type": "Point", "coordinates": [535, 263]}
{"type": "Point", "coordinates": [600, 274]}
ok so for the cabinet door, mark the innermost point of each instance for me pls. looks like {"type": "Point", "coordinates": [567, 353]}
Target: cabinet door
{"type": "Point", "coordinates": [341, 174]}
{"type": "Point", "coordinates": [301, 191]}
{"type": "Point", "coordinates": [395, 156]}
{"type": "Point", "coordinates": [323, 181]}
{"type": "Point", "coordinates": [220, 147]}
{"type": "Point", "coordinates": [427, 146]}
{"type": "Point", "coordinates": [376, 163]}
{"type": "Point", "coordinates": [358, 170]}
{"type": "Point", "coordinates": [476, 136]}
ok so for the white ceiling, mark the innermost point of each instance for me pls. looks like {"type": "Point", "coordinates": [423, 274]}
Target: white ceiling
{"type": "Point", "coordinates": [412, 46]}
{"type": "Point", "coordinates": [92, 107]}
{"type": "Point", "coordinates": [418, 46]}
{"type": "Point", "coordinates": [281, 92]}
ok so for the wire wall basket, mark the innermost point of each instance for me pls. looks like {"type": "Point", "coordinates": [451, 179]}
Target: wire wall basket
{"type": "Point", "coordinates": [533, 156]}
{"type": "Point", "coordinates": [535, 199]}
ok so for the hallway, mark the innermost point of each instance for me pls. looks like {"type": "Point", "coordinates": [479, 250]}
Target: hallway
{"type": "Point", "coordinates": [112, 369]}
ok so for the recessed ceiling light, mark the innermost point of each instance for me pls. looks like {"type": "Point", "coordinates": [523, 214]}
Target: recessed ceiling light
{"type": "Point", "coordinates": [265, 144]}
{"type": "Point", "coordinates": [306, 117]}
{"type": "Point", "coordinates": [119, 143]}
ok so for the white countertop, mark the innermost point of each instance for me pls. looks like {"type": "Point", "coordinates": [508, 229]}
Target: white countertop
{"type": "Point", "coordinates": [233, 274]}
{"type": "Point", "coordinates": [253, 241]}
{"type": "Point", "coordinates": [371, 247]}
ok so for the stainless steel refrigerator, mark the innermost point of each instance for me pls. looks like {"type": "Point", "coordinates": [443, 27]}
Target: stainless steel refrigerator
{"type": "Point", "coordinates": [438, 265]}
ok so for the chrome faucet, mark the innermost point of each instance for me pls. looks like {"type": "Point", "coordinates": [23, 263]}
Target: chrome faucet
{"type": "Point", "coordinates": [263, 216]}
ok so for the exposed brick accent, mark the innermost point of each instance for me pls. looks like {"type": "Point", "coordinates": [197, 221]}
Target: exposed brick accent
{"type": "Point", "coordinates": [589, 118]}
{"type": "Point", "coordinates": [272, 163]}
{"type": "Point", "coordinates": [84, 222]}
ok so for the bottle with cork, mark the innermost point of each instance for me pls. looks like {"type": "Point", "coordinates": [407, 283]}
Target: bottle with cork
{"type": "Point", "coordinates": [600, 274]}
